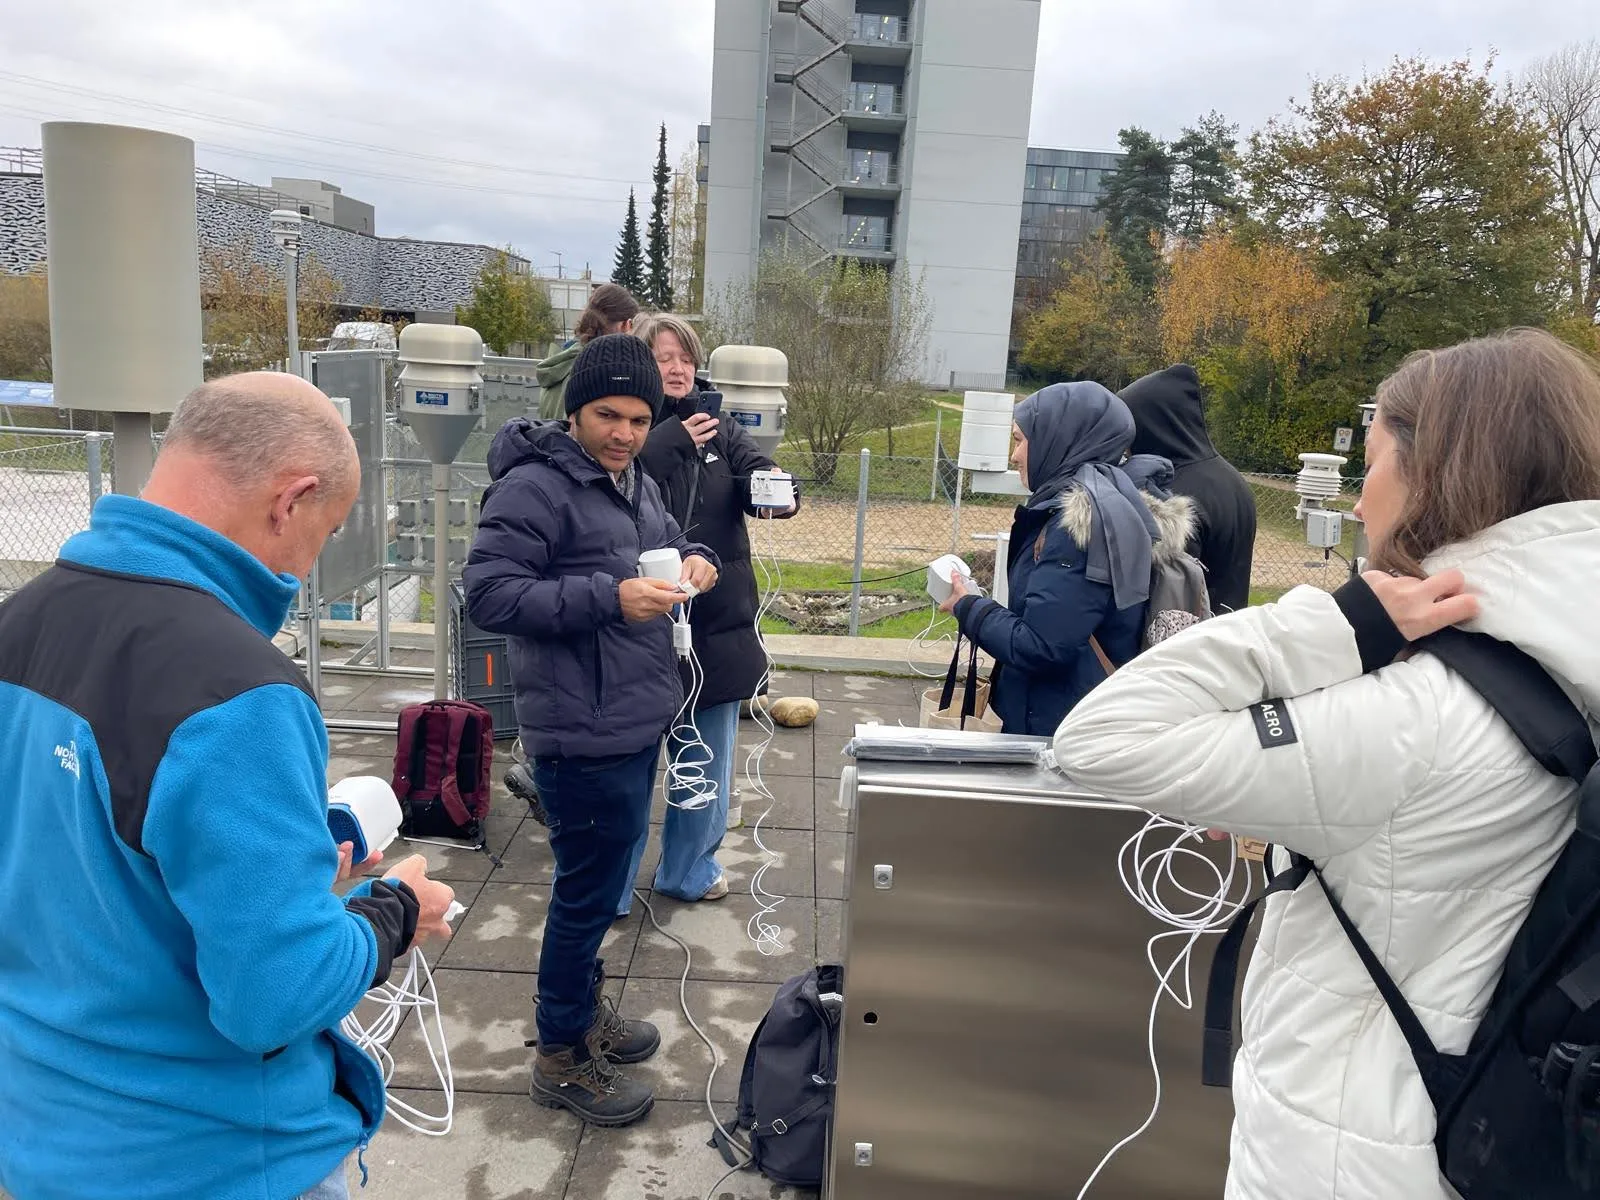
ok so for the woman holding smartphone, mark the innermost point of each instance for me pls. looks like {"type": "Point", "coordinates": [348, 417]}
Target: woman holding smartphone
{"type": "Point", "coordinates": [703, 466]}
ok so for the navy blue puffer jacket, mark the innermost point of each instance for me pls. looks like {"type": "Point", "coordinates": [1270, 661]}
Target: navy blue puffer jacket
{"type": "Point", "coordinates": [555, 539]}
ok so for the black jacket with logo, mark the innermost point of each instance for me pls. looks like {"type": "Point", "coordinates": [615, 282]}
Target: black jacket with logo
{"type": "Point", "coordinates": [719, 480]}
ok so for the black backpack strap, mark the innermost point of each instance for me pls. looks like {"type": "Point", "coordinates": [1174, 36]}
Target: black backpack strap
{"type": "Point", "coordinates": [1522, 692]}
{"type": "Point", "coordinates": [1216, 1054]}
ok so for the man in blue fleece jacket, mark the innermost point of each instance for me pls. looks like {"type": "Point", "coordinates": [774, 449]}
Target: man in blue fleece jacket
{"type": "Point", "coordinates": [174, 963]}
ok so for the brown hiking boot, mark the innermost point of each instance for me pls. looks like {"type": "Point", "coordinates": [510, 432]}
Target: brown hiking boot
{"type": "Point", "coordinates": [621, 1041]}
{"type": "Point", "coordinates": [590, 1088]}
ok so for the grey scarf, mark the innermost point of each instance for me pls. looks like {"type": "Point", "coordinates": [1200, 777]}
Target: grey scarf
{"type": "Point", "coordinates": [1077, 433]}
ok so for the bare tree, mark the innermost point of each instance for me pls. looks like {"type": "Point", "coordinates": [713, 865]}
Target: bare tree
{"type": "Point", "coordinates": [1565, 88]}
{"type": "Point", "coordinates": [688, 251]}
{"type": "Point", "coordinates": [854, 335]}
{"type": "Point", "coordinates": [245, 308]}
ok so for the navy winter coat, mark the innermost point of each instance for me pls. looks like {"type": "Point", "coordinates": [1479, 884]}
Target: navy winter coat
{"type": "Point", "coordinates": [555, 539]}
{"type": "Point", "coordinates": [1040, 643]}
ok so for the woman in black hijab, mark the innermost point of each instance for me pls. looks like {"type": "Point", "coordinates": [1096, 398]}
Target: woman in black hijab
{"type": "Point", "coordinates": [1079, 565]}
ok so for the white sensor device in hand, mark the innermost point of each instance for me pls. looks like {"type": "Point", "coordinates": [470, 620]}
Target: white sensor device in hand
{"type": "Point", "coordinates": [771, 489]}
{"type": "Point", "coordinates": [940, 571]}
{"type": "Point", "coordinates": [363, 810]}
{"type": "Point", "coordinates": [666, 565]}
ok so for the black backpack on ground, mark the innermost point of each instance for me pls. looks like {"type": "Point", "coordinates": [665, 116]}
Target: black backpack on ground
{"type": "Point", "coordinates": [786, 1091]}
{"type": "Point", "coordinates": [1519, 1112]}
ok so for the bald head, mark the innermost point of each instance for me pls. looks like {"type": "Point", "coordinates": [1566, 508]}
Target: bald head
{"type": "Point", "coordinates": [265, 460]}
{"type": "Point", "coordinates": [264, 424]}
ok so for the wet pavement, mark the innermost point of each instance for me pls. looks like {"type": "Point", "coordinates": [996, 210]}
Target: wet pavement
{"type": "Point", "coordinates": [502, 1147]}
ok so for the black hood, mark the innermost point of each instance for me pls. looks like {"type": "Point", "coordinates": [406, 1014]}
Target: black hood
{"type": "Point", "coordinates": [521, 440]}
{"type": "Point", "coordinates": [1169, 417]}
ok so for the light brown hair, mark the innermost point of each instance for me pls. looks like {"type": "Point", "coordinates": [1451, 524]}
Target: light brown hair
{"type": "Point", "coordinates": [608, 304]}
{"type": "Point", "coordinates": [649, 326]}
{"type": "Point", "coordinates": [1484, 431]}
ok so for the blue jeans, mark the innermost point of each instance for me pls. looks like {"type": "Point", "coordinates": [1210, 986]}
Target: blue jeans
{"type": "Point", "coordinates": [690, 839]}
{"type": "Point", "coordinates": [597, 808]}
{"type": "Point", "coordinates": [333, 1187]}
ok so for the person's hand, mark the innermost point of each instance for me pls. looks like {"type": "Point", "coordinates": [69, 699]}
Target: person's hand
{"type": "Point", "coordinates": [958, 589]}
{"type": "Point", "coordinates": [699, 574]}
{"type": "Point", "coordinates": [433, 897]}
{"type": "Point", "coordinates": [1419, 607]}
{"type": "Point", "coordinates": [646, 599]}
{"type": "Point", "coordinates": [701, 428]}
{"type": "Point", "coordinates": [347, 851]}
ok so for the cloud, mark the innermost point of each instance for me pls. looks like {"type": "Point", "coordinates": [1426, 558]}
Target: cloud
{"type": "Point", "coordinates": [496, 121]}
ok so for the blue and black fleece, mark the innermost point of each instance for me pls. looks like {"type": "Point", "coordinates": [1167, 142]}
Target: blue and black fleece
{"type": "Point", "coordinates": [174, 963]}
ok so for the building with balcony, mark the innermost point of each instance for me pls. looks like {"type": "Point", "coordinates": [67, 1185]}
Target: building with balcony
{"type": "Point", "coordinates": [889, 131]}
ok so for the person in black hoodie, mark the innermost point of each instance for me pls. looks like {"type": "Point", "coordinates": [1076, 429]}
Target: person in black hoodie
{"type": "Point", "coordinates": [1170, 420]}
{"type": "Point", "coordinates": [703, 468]}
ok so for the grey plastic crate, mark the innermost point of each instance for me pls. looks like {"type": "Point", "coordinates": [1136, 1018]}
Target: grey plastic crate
{"type": "Point", "coordinates": [482, 668]}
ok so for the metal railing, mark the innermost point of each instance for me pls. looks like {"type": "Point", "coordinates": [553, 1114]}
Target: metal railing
{"type": "Point", "coordinates": [877, 29]}
{"type": "Point", "coordinates": [29, 160]}
{"type": "Point", "coordinates": [875, 100]}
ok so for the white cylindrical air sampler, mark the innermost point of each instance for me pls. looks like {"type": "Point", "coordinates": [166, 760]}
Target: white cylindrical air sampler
{"type": "Point", "coordinates": [363, 810]}
{"type": "Point", "coordinates": [124, 275]}
{"type": "Point", "coordinates": [986, 431]}
{"type": "Point", "coordinates": [751, 380]}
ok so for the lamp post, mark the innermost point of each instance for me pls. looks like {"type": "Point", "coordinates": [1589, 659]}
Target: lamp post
{"type": "Point", "coordinates": [286, 232]}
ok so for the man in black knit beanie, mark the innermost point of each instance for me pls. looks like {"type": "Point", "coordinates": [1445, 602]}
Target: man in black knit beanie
{"type": "Point", "coordinates": [555, 567]}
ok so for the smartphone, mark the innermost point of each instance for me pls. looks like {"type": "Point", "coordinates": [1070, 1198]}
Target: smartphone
{"type": "Point", "coordinates": [710, 403]}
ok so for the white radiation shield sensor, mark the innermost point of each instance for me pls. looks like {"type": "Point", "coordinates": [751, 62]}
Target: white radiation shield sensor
{"type": "Point", "coordinates": [940, 571]}
{"type": "Point", "coordinates": [363, 810]}
{"type": "Point", "coordinates": [665, 565]}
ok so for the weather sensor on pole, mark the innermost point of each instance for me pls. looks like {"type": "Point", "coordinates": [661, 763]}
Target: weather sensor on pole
{"type": "Point", "coordinates": [441, 398]}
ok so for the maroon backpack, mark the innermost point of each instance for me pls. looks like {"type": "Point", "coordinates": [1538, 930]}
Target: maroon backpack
{"type": "Point", "coordinates": [443, 760]}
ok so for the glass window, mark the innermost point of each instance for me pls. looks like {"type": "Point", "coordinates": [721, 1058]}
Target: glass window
{"type": "Point", "coordinates": [1032, 180]}
{"type": "Point", "coordinates": [1063, 179]}
{"type": "Point", "coordinates": [866, 233]}
{"type": "Point", "coordinates": [872, 98]}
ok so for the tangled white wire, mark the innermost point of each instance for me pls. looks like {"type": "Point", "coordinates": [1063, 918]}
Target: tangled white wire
{"type": "Point", "coordinates": [1148, 875]}
{"type": "Point", "coordinates": [395, 1000]}
{"type": "Point", "coordinates": [924, 641]}
{"type": "Point", "coordinates": [766, 934]}
{"type": "Point", "coordinates": [689, 771]}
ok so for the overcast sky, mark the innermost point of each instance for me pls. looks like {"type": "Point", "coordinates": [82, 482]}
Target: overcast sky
{"type": "Point", "coordinates": [526, 121]}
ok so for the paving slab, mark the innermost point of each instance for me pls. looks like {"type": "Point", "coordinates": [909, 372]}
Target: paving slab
{"type": "Point", "coordinates": [832, 851]}
{"type": "Point", "coordinates": [833, 814]}
{"type": "Point", "coordinates": [788, 754]}
{"type": "Point", "coordinates": [505, 926]}
{"type": "Point", "coordinates": [719, 938]}
{"type": "Point", "coordinates": [728, 1013]}
{"type": "Point", "coordinates": [500, 1148]}
{"type": "Point", "coordinates": [665, 1157]}
{"type": "Point", "coordinates": [789, 805]}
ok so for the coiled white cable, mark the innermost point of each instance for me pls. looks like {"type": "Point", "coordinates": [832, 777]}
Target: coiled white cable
{"type": "Point", "coordinates": [765, 934]}
{"type": "Point", "coordinates": [924, 641]}
{"type": "Point", "coordinates": [1148, 875]}
{"type": "Point", "coordinates": [395, 1001]}
{"type": "Point", "coordinates": [689, 771]}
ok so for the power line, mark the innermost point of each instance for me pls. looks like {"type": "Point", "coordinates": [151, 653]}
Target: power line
{"type": "Point", "coordinates": [276, 130]}
{"type": "Point", "coordinates": [265, 155]}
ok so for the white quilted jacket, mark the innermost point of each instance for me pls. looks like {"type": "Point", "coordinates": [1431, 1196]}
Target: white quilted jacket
{"type": "Point", "coordinates": [1432, 823]}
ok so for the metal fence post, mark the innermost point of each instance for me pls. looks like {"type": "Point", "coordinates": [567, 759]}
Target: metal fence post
{"type": "Point", "coordinates": [938, 430]}
{"type": "Point", "coordinates": [861, 541]}
{"type": "Point", "coordinates": [955, 527]}
{"type": "Point", "coordinates": [91, 445]}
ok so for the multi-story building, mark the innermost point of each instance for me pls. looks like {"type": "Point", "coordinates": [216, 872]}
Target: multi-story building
{"type": "Point", "coordinates": [1060, 191]}
{"type": "Point", "coordinates": [890, 131]}
{"type": "Point", "coordinates": [327, 203]}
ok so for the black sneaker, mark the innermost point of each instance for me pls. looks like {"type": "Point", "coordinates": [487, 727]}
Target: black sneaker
{"type": "Point", "coordinates": [519, 782]}
{"type": "Point", "coordinates": [621, 1041]}
{"type": "Point", "coordinates": [590, 1087]}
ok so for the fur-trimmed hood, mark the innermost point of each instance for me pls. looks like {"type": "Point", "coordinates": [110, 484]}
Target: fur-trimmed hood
{"type": "Point", "coordinates": [1175, 518]}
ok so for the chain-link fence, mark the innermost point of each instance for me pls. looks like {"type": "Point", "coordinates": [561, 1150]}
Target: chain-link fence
{"type": "Point", "coordinates": [48, 481]}
{"type": "Point", "coordinates": [890, 514]}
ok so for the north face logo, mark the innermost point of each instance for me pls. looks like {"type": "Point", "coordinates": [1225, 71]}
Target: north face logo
{"type": "Point", "coordinates": [67, 756]}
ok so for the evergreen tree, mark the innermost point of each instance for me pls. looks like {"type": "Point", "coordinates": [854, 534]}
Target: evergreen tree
{"type": "Point", "coordinates": [658, 253]}
{"type": "Point", "coordinates": [1205, 182]}
{"type": "Point", "coordinates": [1138, 196]}
{"type": "Point", "coordinates": [628, 270]}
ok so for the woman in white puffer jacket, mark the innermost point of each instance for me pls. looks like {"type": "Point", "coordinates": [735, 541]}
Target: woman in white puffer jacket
{"type": "Point", "coordinates": [1430, 821]}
